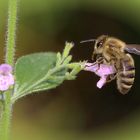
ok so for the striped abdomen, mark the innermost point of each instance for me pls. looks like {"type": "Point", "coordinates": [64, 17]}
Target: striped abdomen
{"type": "Point", "coordinates": [126, 74]}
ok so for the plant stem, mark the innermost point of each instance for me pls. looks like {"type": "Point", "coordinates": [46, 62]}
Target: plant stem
{"type": "Point", "coordinates": [11, 32]}
{"type": "Point", "coordinates": [5, 117]}
{"type": "Point", "coordinates": [9, 59]}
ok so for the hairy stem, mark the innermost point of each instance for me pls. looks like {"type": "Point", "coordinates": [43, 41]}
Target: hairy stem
{"type": "Point", "coordinates": [9, 59]}
{"type": "Point", "coordinates": [5, 117]}
{"type": "Point", "coordinates": [11, 32]}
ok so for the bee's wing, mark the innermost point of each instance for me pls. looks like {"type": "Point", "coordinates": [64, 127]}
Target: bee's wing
{"type": "Point", "coordinates": [133, 48]}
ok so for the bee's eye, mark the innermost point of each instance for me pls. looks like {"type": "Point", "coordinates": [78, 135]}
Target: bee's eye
{"type": "Point", "coordinates": [99, 44]}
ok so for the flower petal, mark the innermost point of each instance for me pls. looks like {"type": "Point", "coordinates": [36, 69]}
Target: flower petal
{"type": "Point", "coordinates": [5, 68]}
{"type": "Point", "coordinates": [6, 81]}
{"type": "Point", "coordinates": [91, 67]}
{"type": "Point", "coordinates": [101, 82]}
{"type": "Point", "coordinates": [100, 70]}
{"type": "Point", "coordinates": [105, 70]}
{"type": "Point", "coordinates": [10, 79]}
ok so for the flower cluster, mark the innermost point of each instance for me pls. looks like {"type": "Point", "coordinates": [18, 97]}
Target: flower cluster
{"type": "Point", "coordinates": [6, 77]}
{"type": "Point", "coordinates": [102, 70]}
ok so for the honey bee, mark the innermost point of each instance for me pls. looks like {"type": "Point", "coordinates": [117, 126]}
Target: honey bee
{"type": "Point", "coordinates": [112, 51]}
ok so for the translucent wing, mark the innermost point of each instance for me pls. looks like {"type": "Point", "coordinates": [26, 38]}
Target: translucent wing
{"type": "Point", "coordinates": [133, 48]}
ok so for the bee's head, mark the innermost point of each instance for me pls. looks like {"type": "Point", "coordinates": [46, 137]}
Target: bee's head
{"type": "Point", "coordinates": [99, 46]}
{"type": "Point", "coordinates": [99, 43]}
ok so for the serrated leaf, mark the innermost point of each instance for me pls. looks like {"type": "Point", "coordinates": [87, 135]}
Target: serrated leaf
{"type": "Point", "coordinates": [31, 69]}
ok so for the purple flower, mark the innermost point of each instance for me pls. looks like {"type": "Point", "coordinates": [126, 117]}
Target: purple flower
{"type": "Point", "coordinates": [102, 70]}
{"type": "Point", "coordinates": [6, 78]}
{"type": "Point", "coordinates": [5, 69]}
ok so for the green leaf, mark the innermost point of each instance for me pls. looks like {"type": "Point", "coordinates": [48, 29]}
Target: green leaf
{"type": "Point", "coordinates": [32, 74]}
{"type": "Point", "coordinates": [43, 71]}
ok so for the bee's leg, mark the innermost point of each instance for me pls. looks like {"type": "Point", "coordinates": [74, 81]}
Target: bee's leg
{"type": "Point", "coordinates": [95, 56]}
{"type": "Point", "coordinates": [99, 61]}
{"type": "Point", "coordinates": [111, 77]}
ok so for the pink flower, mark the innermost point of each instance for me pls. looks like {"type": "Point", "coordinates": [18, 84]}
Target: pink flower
{"type": "Point", "coordinates": [6, 78]}
{"type": "Point", "coordinates": [5, 68]}
{"type": "Point", "coordinates": [102, 70]}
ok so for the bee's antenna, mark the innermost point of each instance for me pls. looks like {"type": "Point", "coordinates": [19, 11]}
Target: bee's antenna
{"type": "Point", "coordinates": [90, 40]}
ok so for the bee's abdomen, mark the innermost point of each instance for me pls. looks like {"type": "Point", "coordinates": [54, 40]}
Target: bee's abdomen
{"type": "Point", "coordinates": [126, 74]}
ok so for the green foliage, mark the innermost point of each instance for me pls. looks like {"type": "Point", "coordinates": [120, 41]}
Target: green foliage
{"type": "Point", "coordinates": [43, 71]}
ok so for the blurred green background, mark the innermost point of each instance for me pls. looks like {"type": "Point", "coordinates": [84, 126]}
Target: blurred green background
{"type": "Point", "coordinates": [76, 110]}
